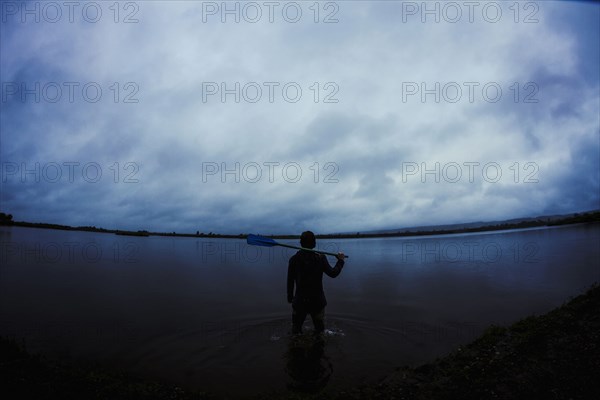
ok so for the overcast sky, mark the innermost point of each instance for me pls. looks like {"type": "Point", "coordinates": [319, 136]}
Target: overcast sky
{"type": "Point", "coordinates": [339, 116]}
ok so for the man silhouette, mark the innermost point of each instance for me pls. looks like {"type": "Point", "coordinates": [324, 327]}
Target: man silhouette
{"type": "Point", "coordinates": [305, 271]}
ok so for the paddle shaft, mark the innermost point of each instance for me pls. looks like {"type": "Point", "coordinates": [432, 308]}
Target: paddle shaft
{"type": "Point", "coordinates": [304, 248]}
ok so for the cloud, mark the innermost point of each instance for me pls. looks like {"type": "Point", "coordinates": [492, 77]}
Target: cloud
{"type": "Point", "coordinates": [278, 127]}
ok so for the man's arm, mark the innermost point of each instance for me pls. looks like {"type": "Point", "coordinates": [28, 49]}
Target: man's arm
{"type": "Point", "coordinates": [291, 277]}
{"type": "Point", "coordinates": [335, 271]}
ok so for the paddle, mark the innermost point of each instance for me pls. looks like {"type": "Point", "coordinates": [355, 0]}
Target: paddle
{"type": "Point", "coordinates": [257, 240]}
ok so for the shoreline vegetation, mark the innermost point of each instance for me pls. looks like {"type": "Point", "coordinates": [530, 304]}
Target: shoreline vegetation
{"type": "Point", "coordinates": [551, 356]}
{"type": "Point", "coordinates": [576, 218]}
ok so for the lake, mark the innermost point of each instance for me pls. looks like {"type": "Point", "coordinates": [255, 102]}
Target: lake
{"type": "Point", "coordinates": [212, 314]}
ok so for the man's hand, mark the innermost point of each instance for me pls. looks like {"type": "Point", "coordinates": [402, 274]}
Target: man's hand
{"type": "Point", "coordinates": [340, 256]}
{"type": "Point", "coordinates": [290, 299]}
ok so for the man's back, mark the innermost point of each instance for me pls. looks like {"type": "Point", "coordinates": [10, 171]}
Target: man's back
{"type": "Point", "coordinates": [305, 271]}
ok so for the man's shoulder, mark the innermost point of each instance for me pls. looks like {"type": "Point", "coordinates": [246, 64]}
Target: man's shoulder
{"type": "Point", "coordinates": [304, 256]}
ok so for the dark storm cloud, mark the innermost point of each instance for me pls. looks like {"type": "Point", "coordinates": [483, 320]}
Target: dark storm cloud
{"type": "Point", "coordinates": [156, 153]}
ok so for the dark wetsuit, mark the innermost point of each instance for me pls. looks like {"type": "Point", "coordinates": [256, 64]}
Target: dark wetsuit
{"type": "Point", "coordinates": [305, 270]}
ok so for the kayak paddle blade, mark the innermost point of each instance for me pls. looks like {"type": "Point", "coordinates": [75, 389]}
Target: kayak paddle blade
{"type": "Point", "coordinates": [257, 240]}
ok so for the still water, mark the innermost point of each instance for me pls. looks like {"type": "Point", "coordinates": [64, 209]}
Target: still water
{"type": "Point", "coordinates": [211, 314]}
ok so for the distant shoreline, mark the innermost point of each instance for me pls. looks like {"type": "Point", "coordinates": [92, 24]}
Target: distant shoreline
{"type": "Point", "coordinates": [587, 217]}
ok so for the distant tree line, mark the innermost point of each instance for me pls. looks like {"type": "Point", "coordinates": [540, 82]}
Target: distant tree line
{"type": "Point", "coordinates": [594, 216]}
{"type": "Point", "coordinates": [6, 219]}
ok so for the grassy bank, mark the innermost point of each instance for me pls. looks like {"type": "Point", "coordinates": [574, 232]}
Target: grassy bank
{"type": "Point", "coordinates": [553, 356]}
{"type": "Point", "coordinates": [27, 376]}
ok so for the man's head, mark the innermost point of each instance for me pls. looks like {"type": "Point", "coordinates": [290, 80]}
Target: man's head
{"type": "Point", "coordinates": [307, 239]}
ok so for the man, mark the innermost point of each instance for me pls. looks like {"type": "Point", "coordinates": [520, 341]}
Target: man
{"type": "Point", "coordinates": [305, 271]}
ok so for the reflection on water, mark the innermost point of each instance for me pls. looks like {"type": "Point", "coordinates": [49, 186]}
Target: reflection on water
{"type": "Point", "coordinates": [306, 363]}
{"type": "Point", "coordinates": [203, 313]}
